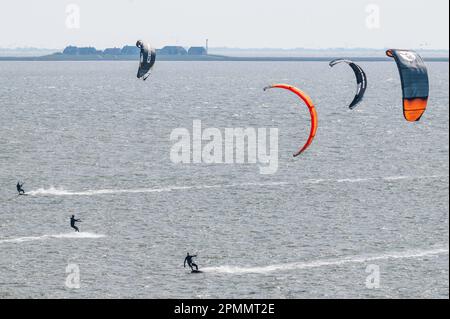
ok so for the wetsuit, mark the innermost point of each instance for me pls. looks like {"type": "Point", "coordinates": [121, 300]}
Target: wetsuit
{"type": "Point", "coordinates": [72, 223]}
{"type": "Point", "coordinates": [190, 262]}
{"type": "Point", "coordinates": [20, 189]}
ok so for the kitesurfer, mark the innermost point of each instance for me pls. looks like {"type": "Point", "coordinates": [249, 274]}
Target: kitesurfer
{"type": "Point", "coordinates": [72, 223]}
{"type": "Point", "coordinates": [190, 262]}
{"type": "Point", "coordinates": [20, 188]}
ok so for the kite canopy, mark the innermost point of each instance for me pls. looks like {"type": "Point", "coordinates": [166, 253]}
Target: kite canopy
{"type": "Point", "coordinates": [309, 103]}
{"type": "Point", "coordinates": [415, 83]}
{"type": "Point", "coordinates": [361, 80]}
{"type": "Point", "coordinates": [147, 61]}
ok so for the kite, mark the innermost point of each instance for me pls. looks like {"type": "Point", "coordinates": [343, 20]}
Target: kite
{"type": "Point", "coordinates": [309, 103]}
{"type": "Point", "coordinates": [361, 80]}
{"type": "Point", "coordinates": [147, 60]}
{"type": "Point", "coordinates": [415, 83]}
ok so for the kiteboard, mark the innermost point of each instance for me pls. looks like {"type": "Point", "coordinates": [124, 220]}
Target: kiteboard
{"type": "Point", "coordinates": [196, 272]}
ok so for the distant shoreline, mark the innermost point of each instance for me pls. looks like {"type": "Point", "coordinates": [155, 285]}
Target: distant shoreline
{"type": "Point", "coordinates": [201, 58]}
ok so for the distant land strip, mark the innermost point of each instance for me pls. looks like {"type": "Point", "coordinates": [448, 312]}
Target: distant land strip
{"type": "Point", "coordinates": [206, 58]}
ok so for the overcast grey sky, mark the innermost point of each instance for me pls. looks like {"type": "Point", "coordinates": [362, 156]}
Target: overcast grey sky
{"type": "Point", "coordinates": [230, 23]}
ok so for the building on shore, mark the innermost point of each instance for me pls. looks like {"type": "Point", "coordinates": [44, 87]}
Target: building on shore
{"type": "Point", "coordinates": [71, 50]}
{"type": "Point", "coordinates": [197, 51]}
{"type": "Point", "coordinates": [130, 50]}
{"type": "Point", "coordinates": [112, 51]}
{"type": "Point", "coordinates": [133, 50]}
{"type": "Point", "coordinates": [172, 50]}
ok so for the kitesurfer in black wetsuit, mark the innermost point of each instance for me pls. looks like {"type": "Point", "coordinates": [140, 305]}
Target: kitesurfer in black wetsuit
{"type": "Point", "coordinates": [190, 262]}
{"type": "Point", "coordinates": [72, 223]}
{"type": "Point", "coordinates": [20, 188]}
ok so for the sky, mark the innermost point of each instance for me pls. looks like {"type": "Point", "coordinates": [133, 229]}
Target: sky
{"type": "Point", "coordinates": [286, 24]}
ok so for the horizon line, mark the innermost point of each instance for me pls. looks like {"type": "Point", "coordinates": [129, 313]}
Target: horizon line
{"type": "Point", "coordinates": [30, 48]}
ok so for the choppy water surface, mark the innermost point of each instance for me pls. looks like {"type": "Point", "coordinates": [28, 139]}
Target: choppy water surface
{"type": "Point", "coordinates": [89, 139]}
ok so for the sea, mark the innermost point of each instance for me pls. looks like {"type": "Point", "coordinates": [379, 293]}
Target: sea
{"type": "Point", "coordinates": [363, 213]}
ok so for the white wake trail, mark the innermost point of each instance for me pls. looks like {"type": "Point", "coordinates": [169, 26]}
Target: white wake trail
{"type": "Point", "coordinates": [411, 254]}
{"type": "Point", "coordinates": [61, 192]}
{"type": "Point", "coordinates": [58, 236]}
{"type": "Point", "coordinates": [52, 191]}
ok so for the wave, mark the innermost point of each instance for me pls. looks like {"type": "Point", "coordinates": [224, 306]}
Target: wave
{"type": "Point", "coordinates": [58, 236]}
{"type": "Point", "coordinates": [398, 178]}
{"type": "Point", "coordinates": [371, 179]}
{"type": "Point", "coordinates": [354, 180]}
{"type": "Point", "coordinates": [411, 254]}
{"type": "Point", "coordinates": [52, 191]}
